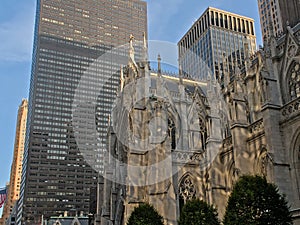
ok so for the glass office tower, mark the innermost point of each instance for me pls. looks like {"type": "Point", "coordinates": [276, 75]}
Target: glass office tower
{"type": "Point", "coordinates": [215, 38]}
{"type": "Point", "coordinates": [69, 37]}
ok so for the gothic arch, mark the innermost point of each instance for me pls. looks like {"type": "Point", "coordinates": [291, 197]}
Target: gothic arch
{"type": "Point", "coordinates": [232, 175]}
{"type": "Point", "coordinates": [75, 222]}
{"type": "Point", "coordinates": [57, 222]}
{"type": "Point", "coordinates": [291, 57]}
{"type": "Point", "coordinates": [172, 131]}
{"type": "Point", "coordinates": [225, 127]}
{"type": "Point", "coordinates": [293, 81]}
{"type": "Point", "coordinates": [263, 162]}
{"type": "Point", "coordinates": [198, 131]}
{"type": "Point", "coordinates": [187, 189]}
{"type": "Point", "coordinates": [295, 163]}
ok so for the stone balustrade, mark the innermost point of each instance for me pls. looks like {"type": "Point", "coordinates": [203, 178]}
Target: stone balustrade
{"type": "Point", "coordinates": [291, 109]}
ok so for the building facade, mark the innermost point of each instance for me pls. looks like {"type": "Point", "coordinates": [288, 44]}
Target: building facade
{"type": "Point", "coordinates": [216, 40]}
{"type": "Point", "coordinates": [290, 13]}
{"type": "Point", "coordinates": [13, 192]}
{"type": "Point", "coordinates": [276, 15]}
{"type": "Point", "coordinates": [174, 139]}
{"type": "Point", "coordinates": [71, 93]}
{"type": "Point", "coordinates": [269, 10]}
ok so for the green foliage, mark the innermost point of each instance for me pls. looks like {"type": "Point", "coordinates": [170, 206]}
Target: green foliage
{"type": "Point", "coordinates": [197, 212]}
{"type": "Point", "coordinates": [254, 201]}
{"type": "Point", "coordinates": [145, 214]}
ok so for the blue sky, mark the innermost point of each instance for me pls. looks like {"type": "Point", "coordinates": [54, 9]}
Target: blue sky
{"type": "Point", "coordinates": [168, 20]}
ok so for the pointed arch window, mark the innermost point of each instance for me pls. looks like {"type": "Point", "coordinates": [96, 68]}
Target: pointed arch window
{"type": "Point", "coordinates": [203, 133]}
{"type": "Point", "coordinates": [187, 191]}
{"type": "Point", "coordinates": [294, 81]}
{"type": "Point", "coordinates": [172, 132]}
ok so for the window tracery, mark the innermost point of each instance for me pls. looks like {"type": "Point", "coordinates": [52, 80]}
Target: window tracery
{"type": "Point", "coordinates": [187, 189]}
{"type": "Point", "coordinates": [294, 81]}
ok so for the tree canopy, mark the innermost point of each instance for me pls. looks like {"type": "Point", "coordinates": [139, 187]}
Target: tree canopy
{"type": "Point", "coordinates": [145, 214]}
{"type": "Point", "coordinates": [197, 212]}
{"type": "Point", "coordinates": [254, 201]}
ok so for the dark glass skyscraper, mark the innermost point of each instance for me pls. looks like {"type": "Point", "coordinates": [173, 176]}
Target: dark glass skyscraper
{"type": "Point", "coordinates": [70, 36]}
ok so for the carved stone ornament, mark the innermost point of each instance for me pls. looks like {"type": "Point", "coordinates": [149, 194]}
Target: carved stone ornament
{"type": "Point", "coordinates": [294, 81]}
{"type": "Point", "coordinates": [187, 189]}
{"type": "Point", "coordinates": [291, 51]}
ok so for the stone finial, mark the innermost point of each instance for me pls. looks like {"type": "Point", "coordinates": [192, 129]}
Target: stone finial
{"type": "Point", "coordinates": [159, 65]}
{"type": "Point", "coordinates": [145, 43]}
{"type": "Point", "coordinates": [145, 50]}
{"type": "Point", "coordinates": [109, 120]}
{"type": "Point", "coordinates": [122, 80]}
{"type": "Point", "coordinates": [237, 70]}
{"type": "Point", "coordinates": [180, 75]}
{"type": "Point", "coordinates": [131, 48]}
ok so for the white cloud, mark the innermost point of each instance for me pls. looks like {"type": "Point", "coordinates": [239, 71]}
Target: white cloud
{"type": "Point", "coordinates": [16, 36]}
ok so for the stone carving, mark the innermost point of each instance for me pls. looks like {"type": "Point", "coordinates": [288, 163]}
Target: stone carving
{"type": "Point", "coordinates": [187, 189]}
{"type": "Point", "coordinates": [257, 127]}
{"type": "Point", "coordinates": [291, 109]}
{"type": "Point", "coordinates": [294, 81]}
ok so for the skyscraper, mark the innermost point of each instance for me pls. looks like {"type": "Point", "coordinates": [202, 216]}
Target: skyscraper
{"type": "Point", "coordinates": [280, 13]}
{"type": "Point", "coordinates": [217, 39]}
{"type": "Point", "coordinates": [269, 9]}
{"type": "Point", "coordinates": [16, 167]}
{"type": "Point", "coordinates": [290, 12]}
{"type": "Point", "coordinates": [69, 38]}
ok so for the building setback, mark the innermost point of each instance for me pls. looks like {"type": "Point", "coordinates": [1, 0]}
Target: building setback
{"type": "Point", "coordinates": [16, 167]}
{"type": "Point", "coordinates": [218, 38]}
{"type": "Point", "coordinates": [69, 37]}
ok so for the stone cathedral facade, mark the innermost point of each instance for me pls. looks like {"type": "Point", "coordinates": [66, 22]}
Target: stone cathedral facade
{"type": "Point", "coordinates": [173, 139]}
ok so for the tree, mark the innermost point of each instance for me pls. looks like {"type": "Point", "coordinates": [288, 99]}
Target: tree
{"type": "Point", "coordinates": [254, 201]}
{"type": "Point", "coordinates": [197, 212]}
{"type": "Point", "coordinates": [145, 214]}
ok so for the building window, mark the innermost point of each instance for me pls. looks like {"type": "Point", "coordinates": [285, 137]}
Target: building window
{"type": "Point", "coordinates": [221, 20]}
{"type": "Point", "coordinates": [217, 19]}
{"type": "Point", "coordinates": [203, 133]}
{"type": "Point", "coordinates": [212, 18]}
{"type": "Point", "coordinates": [187, 191]}
{"type": "Point", "coordinates": [294, 81]}
{"type": "Point", "coordinates": [172, 133]}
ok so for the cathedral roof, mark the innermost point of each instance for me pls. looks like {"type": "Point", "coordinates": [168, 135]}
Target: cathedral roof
{"type": "Point", "coordinates": [172, 84]}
